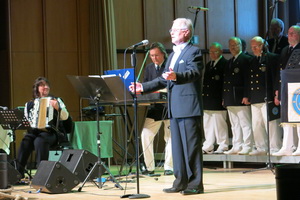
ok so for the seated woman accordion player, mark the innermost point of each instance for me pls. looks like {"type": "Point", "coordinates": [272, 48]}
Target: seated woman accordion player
{"type": "Point", "coordinates": [47, 116]}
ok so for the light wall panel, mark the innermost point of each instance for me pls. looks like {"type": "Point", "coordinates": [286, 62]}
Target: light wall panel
{"type": "Point", "coordinates": [26, 25]}
{"type": "Point", "coordinates": [220, 24]}
{"type": "Point", "coordinates": [182, 10]}
{"type": "Point", "coordinates": [129, 22]}
{"type": "Point", "coordinates": [247, 20]}
{"type": "Point", "coordinates": [26, 68]}
{"type": "Point", "coordinates": [129, 28]}
{"type": "Point", "coordinates": [158, 18]}
{"type": "Point", "coordinates": [27, 57]}
{"type": "Point", "coordinates": [61, 25]}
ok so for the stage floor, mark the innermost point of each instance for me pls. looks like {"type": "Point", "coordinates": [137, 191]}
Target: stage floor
{"type": "Point", "coordinates": [223, 184]}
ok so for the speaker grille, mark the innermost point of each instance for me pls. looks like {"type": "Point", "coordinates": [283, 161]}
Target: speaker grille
{"type": "Point", "coordinates": [53, 177]}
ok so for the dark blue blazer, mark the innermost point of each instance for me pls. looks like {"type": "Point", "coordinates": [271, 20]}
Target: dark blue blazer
{"type": "Point", "coordinates": [282, 43]}
{"type": "Point", "coordinates": [283, 63]}
{"type": "Point", "coordinates": [260, 71]}
{"type": "Point", "coordinates": [213, 85]}
{"type": "Point", "coordinates": [156, 111]}
{"type": "Point", "coordinates": [184, 94]}
{"type": "Point", "coordinates": [235, 80]}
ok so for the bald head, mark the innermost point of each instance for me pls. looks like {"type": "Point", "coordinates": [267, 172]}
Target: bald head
{"type": "Point", "coordinates": [235, 45]}
{"type": "Point", "coordinates": [257, 44]}
{"type": "Point", "coordinates": [215, 51]}
{"type": "Point", "coordinates": [294, 35]}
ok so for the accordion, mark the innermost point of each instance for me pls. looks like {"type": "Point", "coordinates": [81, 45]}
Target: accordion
{"type": "Point", "coordinates": [44, 115]}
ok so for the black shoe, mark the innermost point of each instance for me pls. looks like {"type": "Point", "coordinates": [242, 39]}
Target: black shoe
{"type": "Point", "coordinates": [146, 172]}
{"type": "Point", "coordinates": [168, 172]}
{"type": "Point", "coordinates": [171, 190]}
{"type": "Point", "coordinates": [191, 191]}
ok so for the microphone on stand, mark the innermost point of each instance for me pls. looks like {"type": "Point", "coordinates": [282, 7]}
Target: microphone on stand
{"type": "Point", "coordinates": [273, 6]}
{"type": "Point", "coordinates": [198, 8]}
{"type": "Point", "coordinates": [142, 43]}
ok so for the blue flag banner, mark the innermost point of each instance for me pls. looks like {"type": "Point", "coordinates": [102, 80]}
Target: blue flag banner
{"type": "Point", "coordinates": [290, 96]}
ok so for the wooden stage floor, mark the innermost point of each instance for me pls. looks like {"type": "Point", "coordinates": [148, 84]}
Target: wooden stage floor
{"type": "Point", "coordinates": [219, 184]}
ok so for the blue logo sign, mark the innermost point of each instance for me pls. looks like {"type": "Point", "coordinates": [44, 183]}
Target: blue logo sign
{"type": "Point", "coordinates": [296, 101]}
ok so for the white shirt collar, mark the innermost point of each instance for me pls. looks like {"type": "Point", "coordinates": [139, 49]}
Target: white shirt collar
{"type": "Point", "coordinates": [180, 47]}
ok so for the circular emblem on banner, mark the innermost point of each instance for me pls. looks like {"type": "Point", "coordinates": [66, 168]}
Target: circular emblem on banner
{"type": "Point", "coordinates": [275, 110]}
{"type": "Point", "coordinates": [236, 70]}
{"type": "Point", "coordinates": [296, 101]}
{"type": "Point", "coordinates": [217, 77]}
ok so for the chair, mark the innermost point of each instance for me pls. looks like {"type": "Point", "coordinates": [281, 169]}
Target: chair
{"type": "Point", "coordinates": [64, 136]}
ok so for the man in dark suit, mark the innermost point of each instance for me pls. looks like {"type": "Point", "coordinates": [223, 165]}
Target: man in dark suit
{"type": "Point", "coordinates": [182, 78]}
{"type": "Point", "coordinates": [290, 66]}
{"type": "Point", "coordinates": [261, 81]}
{"type": "Point", "coordinates": [235, 98]}
{"type": "Point", "coordinates": [214, 118]}
{"type": "Point", "coordinates": [156, 115]}
{"type": "Point", "coordinates": [278, 40]}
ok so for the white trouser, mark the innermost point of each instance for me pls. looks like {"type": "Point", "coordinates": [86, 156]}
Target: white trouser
{"type": "Point", "coordinates": [215, 129]}
{"type": "Point", "coordinates": [259, 126]}
{"type": "Point", "coordinates": [240, 120]}
{"type": "Point", "coordinates": [289, 142]}
{"type": "Point", "coordinates": [6, 137]}
{"type": "Point", "coordinates": [151, 128]}
{"type": "Point", "coordinates": [297, 143]}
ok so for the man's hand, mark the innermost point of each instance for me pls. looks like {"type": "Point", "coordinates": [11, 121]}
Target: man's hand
{"type": "Point", "coordinates": [170, 75]}
{"type": "Point", "coordinates": [139, 87]}
{"type": "Point", "coordinates": [245, 101]}
{"type": "Point", "coordinates": [276, 100]}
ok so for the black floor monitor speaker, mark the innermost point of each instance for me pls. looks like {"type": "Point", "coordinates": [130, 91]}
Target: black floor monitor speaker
{"type": "Point", "coordinates": [53, 177]}
{"type": "Point", "coordinates": [80, 162]}
{"type": "Point", "coordinates": [13, 175]}
{"type": "Point", "coordinates": [287, 181]}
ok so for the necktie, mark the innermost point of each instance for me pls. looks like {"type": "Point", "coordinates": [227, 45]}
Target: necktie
{"type": "Point", "coordinates": [157, 68]}
{"type": "Point", "coordinates": [274, 46]}
{"type": "Point", "coordinates": [231, 62]}
{"type": "Point", "coordinates": [258, 58]}
{"type": "Point", "coordinates": [212, 64]}
{"type": "Point", "coordinates": [290, 49]}
{"type": "Point", "coordinates": [257, 62]}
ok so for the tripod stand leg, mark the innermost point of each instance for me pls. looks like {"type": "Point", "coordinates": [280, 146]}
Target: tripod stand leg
{"type": "Point", "coordinates": [88, 176]}
{"type": "Point", "coordinates": [16, 164]}
{"type": "Point", "coordinates": [97, 165]}
{"type": "Point", "coordinates": [268, 167]}
{"type": "Point", "coordinates": [112, 176]}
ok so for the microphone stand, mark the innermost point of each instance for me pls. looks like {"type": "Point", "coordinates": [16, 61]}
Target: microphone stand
{"type": "Point", "coordinates": [138, 195]}
{"type": "Point", "coordinates": [269, 164]}
{"type": "Point", "coordinates": [195, 19]}
{"type": "Point", "coordinates": [143, 65]}
{"type": "Point", "coordinates": [195, 38]}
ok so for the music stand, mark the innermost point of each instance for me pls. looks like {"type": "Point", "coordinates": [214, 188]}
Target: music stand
{"type": "Point", "coordinates": [14, 120]}
{"type": "Point", "coordinates": [100, 90]}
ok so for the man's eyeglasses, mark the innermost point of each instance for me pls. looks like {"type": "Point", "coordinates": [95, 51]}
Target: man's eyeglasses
{"type": "Point", "coordinates": [176, 30]}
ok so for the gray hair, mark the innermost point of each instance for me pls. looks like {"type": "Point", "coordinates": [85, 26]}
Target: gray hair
{"type": "Point", "coordinates": [217, 45]}
{"type": "Point", "coordinates": [186, 23]}
{"type": "Point", "coordinates": [278, 22]}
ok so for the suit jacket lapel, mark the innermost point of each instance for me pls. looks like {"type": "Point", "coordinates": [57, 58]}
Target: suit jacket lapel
{"type": "Point", "coordinates": [180, 57]}
{"type": "Point", "coordinates": [169, 62]}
